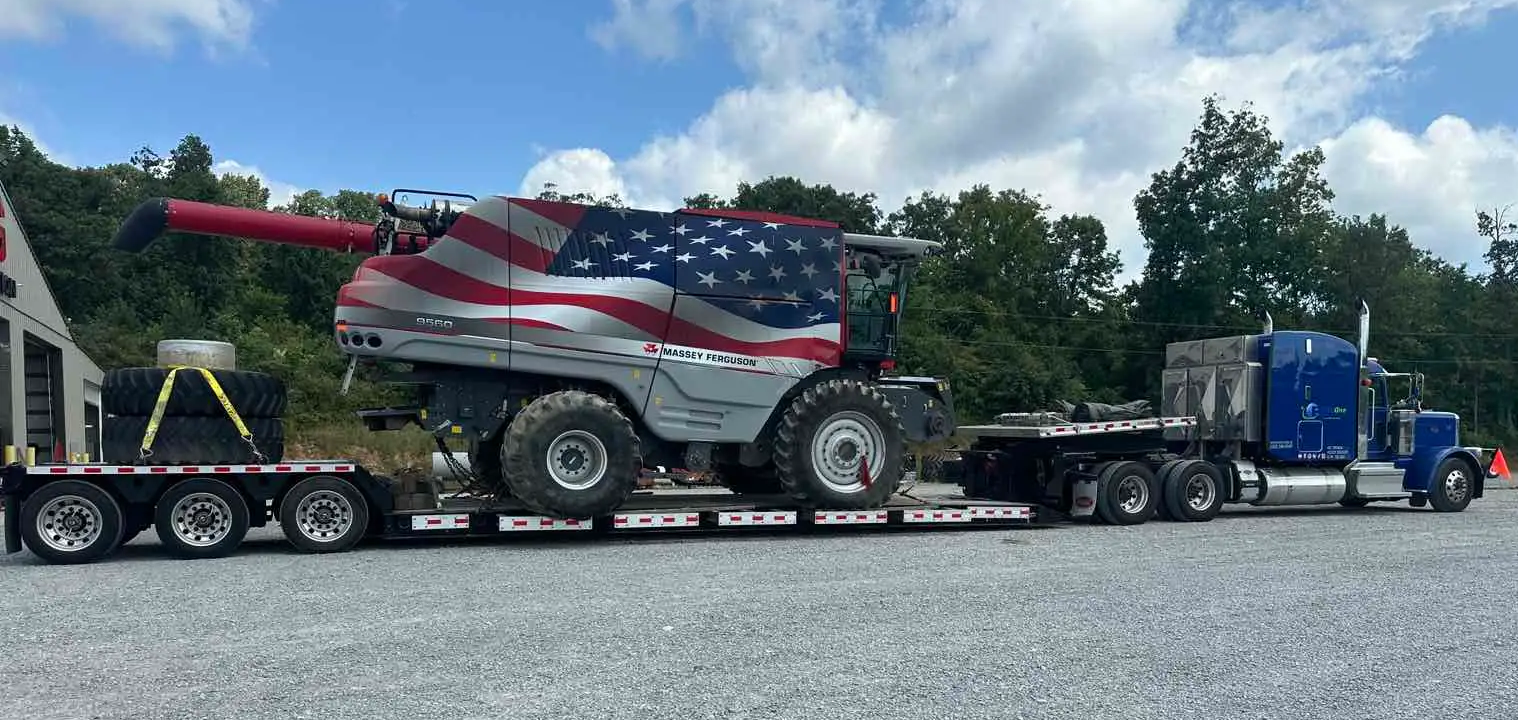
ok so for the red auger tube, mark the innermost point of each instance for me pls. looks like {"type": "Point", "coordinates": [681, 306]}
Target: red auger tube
{"type": "Point", "coordinates": [156, 216]}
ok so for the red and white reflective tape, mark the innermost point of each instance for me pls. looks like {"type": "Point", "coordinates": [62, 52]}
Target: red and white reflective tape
{"type": "Point", "coordinates": [851, 517]}
{"type": "Point", "coordinates": [990, 512]}
{"type": "Point", "coordinates": [440, 522]}
{"type": "Point", "coordinates": [657, 520]}
{"type": "Point", "coordinates": [935, 516]}
{"type": "Point", "coordinates": [510, 523]}
{"type": "Point", "coordinates": [747, 519]}
{"type": "Point", "coordinates": [189, 469]}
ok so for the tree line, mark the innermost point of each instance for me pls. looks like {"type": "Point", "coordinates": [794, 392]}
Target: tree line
{"type": "Point", "coordinates": [1023, 309]}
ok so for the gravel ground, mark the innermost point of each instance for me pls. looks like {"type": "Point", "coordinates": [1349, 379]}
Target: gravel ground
{"type": "Point", "coordinates": [1319, 613]}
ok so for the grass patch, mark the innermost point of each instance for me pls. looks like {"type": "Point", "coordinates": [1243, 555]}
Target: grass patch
{"type": "Point", "coordinates": [388, 452]}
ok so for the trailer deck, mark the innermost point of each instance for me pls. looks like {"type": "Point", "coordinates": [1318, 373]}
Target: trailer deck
{"type": "Point", "coordinates": [84, 512]}
{"type": "Point", "coordinates": [1057, 430]}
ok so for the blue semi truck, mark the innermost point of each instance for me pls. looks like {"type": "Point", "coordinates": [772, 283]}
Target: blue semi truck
{"type": "Point", "coordinates": [1276, 418]}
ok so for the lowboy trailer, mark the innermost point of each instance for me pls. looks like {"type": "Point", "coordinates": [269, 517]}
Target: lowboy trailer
{"type": "Point", "coordinates": [71, 514]}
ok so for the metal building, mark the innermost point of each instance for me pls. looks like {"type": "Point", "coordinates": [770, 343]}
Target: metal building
{"type": "Point", "coordinates": [49, 389]}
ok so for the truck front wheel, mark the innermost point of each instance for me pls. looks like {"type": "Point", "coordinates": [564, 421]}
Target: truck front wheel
{"type": "Point", "coordinates": [1452, 487]}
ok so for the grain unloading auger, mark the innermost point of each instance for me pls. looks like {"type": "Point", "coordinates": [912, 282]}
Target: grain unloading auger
{"type": "Point", "coordinates": [573, 346]}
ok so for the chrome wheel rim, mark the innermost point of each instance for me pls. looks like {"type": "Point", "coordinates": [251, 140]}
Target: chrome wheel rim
{"type": "Point", "coordinates": [848, 445]}
{"type": "Point", "coordinates": [201, 519]}
{"type": "Point", "coordinates": [324, 516]}
{"type": "Point", "coordinates": [69, 523]}
{"type": "Point", "coordinates": [1132, 493]}
{"type": "Point", "coordinates": [1456, 485]}
{"type": "Point", "coordinates": [577, 460]}
{"type": "Point", "coordinates": [1199, 491]}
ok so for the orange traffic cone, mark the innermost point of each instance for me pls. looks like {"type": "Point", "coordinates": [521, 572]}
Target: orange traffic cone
{"type": "Point", "coordinates": [1498, 468]}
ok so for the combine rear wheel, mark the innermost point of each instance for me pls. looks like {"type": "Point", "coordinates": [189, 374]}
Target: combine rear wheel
{"type": "Point", "coordinates": [571, 454]}
{"type": "Point", "coordinates": [839, 446]}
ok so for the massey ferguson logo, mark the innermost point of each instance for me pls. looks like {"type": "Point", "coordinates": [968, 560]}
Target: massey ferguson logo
{"type": "Point", "coordinates": [651, 348]}
{"type": "Point", "coordinates": [435, 323]}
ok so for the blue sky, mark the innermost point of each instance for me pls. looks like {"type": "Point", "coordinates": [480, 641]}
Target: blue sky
{"type": "Point", "coordinates": [475, 96]}
{"type": "Point", "coordinates": [448, 93]}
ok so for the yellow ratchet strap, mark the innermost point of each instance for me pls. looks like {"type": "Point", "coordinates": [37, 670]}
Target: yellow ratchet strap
{"type": "Point", "coordinates": [163, 401]}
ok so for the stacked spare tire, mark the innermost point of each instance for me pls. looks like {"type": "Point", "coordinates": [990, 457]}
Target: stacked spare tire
{"type": "Point", "coordinates": [194, 428]}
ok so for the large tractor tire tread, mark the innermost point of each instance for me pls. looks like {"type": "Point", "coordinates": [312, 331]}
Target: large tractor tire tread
{"type": "Point", "coordinates": [192, 441]}
{"type": "Point", "coordinates": [134, 391]}
{"type": "Point", "coordinates": [580, 429]}
{"type": "Point", "coordinates": [838, 403]}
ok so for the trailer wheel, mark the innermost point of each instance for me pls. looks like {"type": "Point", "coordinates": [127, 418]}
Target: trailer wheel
{"type": "Point", "coordinates": [571, 454]}
{"type": "Point", "coordinates": [69, 522]}
{"type": "Point", "coordinates": [839, 446]}
{"type": "Point", "coordinates": [1126, 493]}
{"type": "Point", "coordinates": [201, 518]}
{"type": "Point", "coordinates": [323, 514]}
{"type": "Point", "coordinates": [1193, 491]}
{"type": "Point", "coordinates": [1453, 486]}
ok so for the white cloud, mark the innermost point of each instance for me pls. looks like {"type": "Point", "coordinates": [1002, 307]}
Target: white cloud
{"type": "Point", "coordinates": [1077, 100]}
{"type": "Point", "coordinates": [588, 170]}
{"type": "Point", "coordinates": [148, 23]}
{"type": "Point", "coordinates": [280, 193]}
{"type": "Point", "coordinates": [1431, 182]}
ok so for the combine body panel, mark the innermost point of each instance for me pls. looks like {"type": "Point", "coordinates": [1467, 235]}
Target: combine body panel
{"type": "Point", "coordinates": [1276, 418]}
{"type": "Point", "coordinates": [572, 346]}
{"type": "Point", "coordinates": [701, 324]}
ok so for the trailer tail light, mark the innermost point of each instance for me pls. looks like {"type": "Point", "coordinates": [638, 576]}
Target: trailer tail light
{"type": "Point", "coordinates": [895, 303]}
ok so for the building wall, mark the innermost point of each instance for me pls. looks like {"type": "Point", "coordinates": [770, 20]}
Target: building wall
{"type": "Point", "coordinates": [32, 319]}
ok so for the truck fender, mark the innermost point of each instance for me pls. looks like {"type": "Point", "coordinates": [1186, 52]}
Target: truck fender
{"type": "Point", "coordinates": [1419, 477]}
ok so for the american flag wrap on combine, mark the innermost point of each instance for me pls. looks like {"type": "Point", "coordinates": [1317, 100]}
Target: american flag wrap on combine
{"type": "Point", "coordinates": [748, 287]}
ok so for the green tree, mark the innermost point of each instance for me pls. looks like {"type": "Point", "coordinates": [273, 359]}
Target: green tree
{"type": "Point", "coordinates": [1234, 230]}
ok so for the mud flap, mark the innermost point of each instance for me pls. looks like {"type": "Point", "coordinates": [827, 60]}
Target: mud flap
{"type": "Point", "coordinates": [1083, 497]}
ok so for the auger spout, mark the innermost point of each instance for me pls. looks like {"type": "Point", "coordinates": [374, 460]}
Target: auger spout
{"type": "Point", "coordinates": [156, 216]}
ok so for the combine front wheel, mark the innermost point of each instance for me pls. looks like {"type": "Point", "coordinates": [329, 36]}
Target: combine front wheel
{"type": "Point", "coordinates": [571, 454]}
{"type": "Point", "coordinates": [839, 446]}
